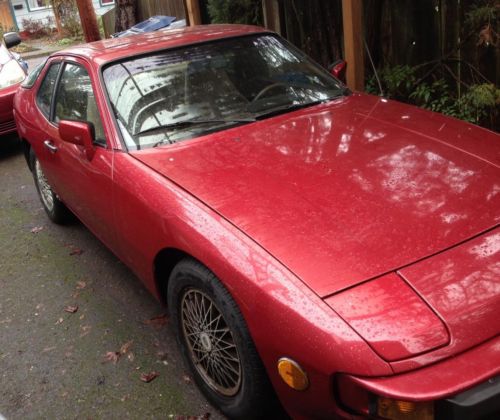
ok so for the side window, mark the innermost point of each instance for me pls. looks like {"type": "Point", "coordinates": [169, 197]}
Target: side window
{"type": "Point", "coordinates": [75, 100]}
{"type": "Point", "coordinates": [44, 94]}
{"type": "Point", "coordinates": [31, 79]}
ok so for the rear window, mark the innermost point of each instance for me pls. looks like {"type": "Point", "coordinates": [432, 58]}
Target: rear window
{"type": "Point", "coordinates": [33, 75]}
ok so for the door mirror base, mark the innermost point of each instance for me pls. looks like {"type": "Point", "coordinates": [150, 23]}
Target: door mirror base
{"type": "Point", "coordinates": [338, 69]}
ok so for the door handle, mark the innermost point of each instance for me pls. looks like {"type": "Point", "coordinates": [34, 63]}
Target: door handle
{"type": "Point", "coordinates": [50, 145]}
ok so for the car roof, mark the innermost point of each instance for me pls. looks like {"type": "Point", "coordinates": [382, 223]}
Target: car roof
{"type": "Point", "coordinates": [113, 49]}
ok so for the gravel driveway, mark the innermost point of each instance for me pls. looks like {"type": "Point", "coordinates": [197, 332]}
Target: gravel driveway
{"type": "Point", "coordinates": [68, 308]}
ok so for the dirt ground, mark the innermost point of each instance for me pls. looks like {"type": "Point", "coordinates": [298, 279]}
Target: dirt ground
{"type": "Point", "coordinates": [53, 362]}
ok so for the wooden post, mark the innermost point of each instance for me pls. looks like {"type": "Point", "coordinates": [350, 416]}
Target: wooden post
{"type": "Point", "coordinates": [352, 14]}
{"type": "Point", "coordinates": [271, 9]}
{"type": "Point", "coordinates": [193, 11]}
{"type": "Point", "coordinates": [89, 20]}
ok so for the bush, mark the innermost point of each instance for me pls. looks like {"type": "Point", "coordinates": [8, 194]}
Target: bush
{"type": "Point", "coordinates": [35, 28]}
{"type": "Point", "coordinates": [477, 103]}
{"type": "Point", "coordinates": [235, 11]}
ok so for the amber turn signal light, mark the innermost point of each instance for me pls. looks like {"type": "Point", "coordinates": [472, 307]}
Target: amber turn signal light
{"type": "Point", "coordinates": [404, 410]}
{"type": "Point", "coordinates": [292, 374]}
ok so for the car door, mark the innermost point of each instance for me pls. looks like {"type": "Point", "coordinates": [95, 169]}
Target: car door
{"type": "Point", "coordinates": [83, 184]}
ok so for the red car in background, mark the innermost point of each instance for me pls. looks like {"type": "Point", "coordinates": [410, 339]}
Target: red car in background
{"type": "Point", "coordinates": [336, 249]}
{"type": "Point", "coordinates": [12, 73]}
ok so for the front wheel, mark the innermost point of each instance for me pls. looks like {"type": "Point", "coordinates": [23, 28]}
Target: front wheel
{"type": "Point", "coordinates": [216, 344]}
{"type": "Point", "coordinates": [55, 208]}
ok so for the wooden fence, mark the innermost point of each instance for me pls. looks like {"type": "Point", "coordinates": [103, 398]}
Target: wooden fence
{"type": "Point", "coordinates": [146, 9]}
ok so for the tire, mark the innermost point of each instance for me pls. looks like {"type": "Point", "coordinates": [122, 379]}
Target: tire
{"type": "Point", "coordinates": [240, 388]}
{"type": "Point", "coordinates": [55, 208]}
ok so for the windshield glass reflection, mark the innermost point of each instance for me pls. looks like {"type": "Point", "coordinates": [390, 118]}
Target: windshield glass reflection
{"type": "Point", "coordinates": [178, 94]}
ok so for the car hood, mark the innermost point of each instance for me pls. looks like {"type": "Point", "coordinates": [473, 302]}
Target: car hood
{"type": "Point", "coordinates": [346, 191]}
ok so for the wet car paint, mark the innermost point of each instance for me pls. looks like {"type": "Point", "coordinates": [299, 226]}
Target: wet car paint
{"type": "Point", "coordinates": [363, 192]}
{"type": "Point", "coordinates": [7, 123]}
{"type": "Point", "coordinates": [369, 196]}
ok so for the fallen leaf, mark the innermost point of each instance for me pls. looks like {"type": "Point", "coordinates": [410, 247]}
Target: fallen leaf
{"type": "Point", "coordinates": [85, 330]}
{"type": "Point", "coordinates": [158, 320]}
{"type": "Point", "coordinates": [125, 347]}
{"type": "Point", "coordinates": [81, 284]}
{"type": "Point", "coordinates": [59, 321]}
{"type": "Point", "coordinates": [37, 229]}
{"type": "Point", "coordinates": [130, 357]}
{"type": "Point", "coordinates": [76, 251]}
{"type": "Point", "coordinates": [186, 379]}
{"type": "Point", "coordinates": [148, 377]}
{"type": "Point", "coordinates": [112, 356]}
{"type": "Point", "coordinates": [82, 316]}
{"type": "Point", "coordinates": [71, 309]}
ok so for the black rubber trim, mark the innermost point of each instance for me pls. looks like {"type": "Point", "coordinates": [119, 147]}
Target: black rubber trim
{"type": "Point", "coordinates": [479, 403]}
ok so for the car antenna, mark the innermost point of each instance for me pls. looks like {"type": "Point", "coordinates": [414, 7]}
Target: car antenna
{"type": "Point", "coordinates": [374, 69]}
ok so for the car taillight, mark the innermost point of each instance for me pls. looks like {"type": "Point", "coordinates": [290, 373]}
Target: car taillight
{"type": "Point", "coordinates": [354, 398]}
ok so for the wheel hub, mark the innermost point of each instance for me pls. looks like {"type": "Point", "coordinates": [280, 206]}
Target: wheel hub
{"type": "Point", "coordinates": [206, 342]}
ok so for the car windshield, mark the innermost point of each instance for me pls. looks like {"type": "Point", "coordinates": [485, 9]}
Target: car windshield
{"type": "Point", "coordinates": [175, 95]}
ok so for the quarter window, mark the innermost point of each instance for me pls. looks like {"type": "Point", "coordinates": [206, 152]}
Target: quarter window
{"type": "Point", "coordinates": [75, 99]}
{"type": "Point", "coordinates": [46, 91]}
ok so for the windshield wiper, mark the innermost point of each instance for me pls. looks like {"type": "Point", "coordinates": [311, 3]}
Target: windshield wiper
{"type": "Point", "coordinates": [294, 107]}
{"type": "Point", "coordinates": [287, 108]}
{"type": "Point", "coordinates": [190, 123]}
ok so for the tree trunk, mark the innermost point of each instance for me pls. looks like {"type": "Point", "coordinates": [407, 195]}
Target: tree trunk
{"type": "Point", "coordinates": [57, 18]}
{"type": "Point", "coordinates": [89, 20]}
{"type": "Point", "coordinates": [125, 14]}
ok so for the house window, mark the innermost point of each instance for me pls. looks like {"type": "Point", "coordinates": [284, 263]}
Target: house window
{"type": "Point", "coordinates": [38, 4]}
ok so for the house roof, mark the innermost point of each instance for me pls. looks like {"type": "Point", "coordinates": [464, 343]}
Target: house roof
{"type": "Point", "coordinates": [108, 50]}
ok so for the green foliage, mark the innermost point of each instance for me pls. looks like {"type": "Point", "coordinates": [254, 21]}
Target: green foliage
{"type": "Point", "coordinates": [477, 104]}
{"type": "Point", "coordinates": [482, 13]}
{"type": "Point", "coordinates": [65, 41]}
{"type": "Point", "coordinates": [235, 11]}
{"type": "Point", "coordinates": [396, 81]}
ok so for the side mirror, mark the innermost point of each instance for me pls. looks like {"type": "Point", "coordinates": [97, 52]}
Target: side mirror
{"type": "Point", "coordinates": [338, 69]}
{"type": "Point", "coordinates": [11, 39]}
{"type": "Point", "coordinates": [80, 133]}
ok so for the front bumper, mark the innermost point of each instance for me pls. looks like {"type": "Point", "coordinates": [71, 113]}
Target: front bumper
{"type": "Point", "coordinates": [466, 386]}
{"type": "Point", "coordinates": [7, 123]}
{"type": "Point", "coordinates": [480, 402]}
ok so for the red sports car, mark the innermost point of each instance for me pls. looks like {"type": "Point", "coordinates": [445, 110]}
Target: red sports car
{"type": "Point", "coordinates": [11, 74]}
{"type": "Point", "coordinates": [337, 250]}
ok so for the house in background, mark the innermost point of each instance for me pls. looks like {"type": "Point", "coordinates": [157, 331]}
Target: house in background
{"type": "Point", "coordinates": [13, 12]}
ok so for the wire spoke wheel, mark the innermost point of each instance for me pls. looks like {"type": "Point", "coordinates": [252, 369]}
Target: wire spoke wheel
{"type": "Point", "coordinates": [46, 193]}
{"type": "Point", "coordinates": [210, 342]}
